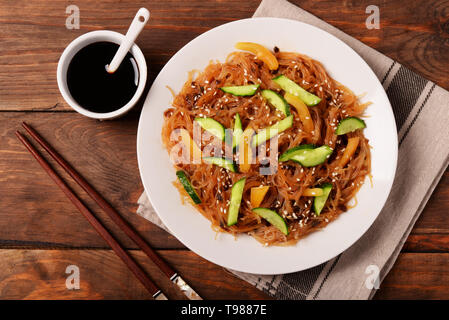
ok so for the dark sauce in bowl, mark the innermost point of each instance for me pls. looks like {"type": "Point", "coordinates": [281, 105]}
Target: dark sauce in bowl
{"type": "Point", "coordinates": [92, 87]}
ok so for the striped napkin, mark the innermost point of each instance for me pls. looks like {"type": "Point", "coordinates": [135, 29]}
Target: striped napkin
{"type": "Point", "coordinates": [421, 110]}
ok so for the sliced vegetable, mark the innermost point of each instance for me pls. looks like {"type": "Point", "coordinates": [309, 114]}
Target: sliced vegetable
{"type": "Point", "coordinates": [191, 145]}
{"type": "Point", "coordinates": [238, 131]}
{"type": "Point", "coordinates": [245, 150]}
{"type": "Point", "coordinates": [312, 157]}
{"type": "Point", "coordinates": [261, 52]}
{"type": "Point", "coordinates": [294, 151]}
{"type": "Point", "coordinates": [349, 151]}
{"type": "Point", "coordinates": [312, 192]}
{"type": "Point", "coordinates": [273, 218]}
{"type": "Point", "coordinates": [320, 201]}
{"type": "Point", "coordinates": [257, 195]}
{"type": "Point", "coordinates": [291, 87]}
{"type": "Point", "coordinates": [221, 162]}
{"type": "Point", "coordinates": [303, 111]}
{"type": "Point", "coordinates": [236, 199]}
{"type": "Point", "coordinates": [276, 101]}
{"type": "Point", "coordinates": [349, 125]}
{"type": "Point", "coordinates": [247, 90]}
{"type": "Point", "coordinates": [268, 133]}
{"type": "Point", "coordinates": [212, 126]}
{"type": "Point", "coordinates": [188, 186]}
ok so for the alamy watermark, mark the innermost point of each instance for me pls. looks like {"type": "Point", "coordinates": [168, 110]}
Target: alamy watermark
{"type": "Point", "coordinates": [73, 280]}
{"type": "Point", "coordinates": [373, 20]}
{"type": "Point", "coordinates": [187, 150]}
{"type": "Point", "coordinates": [373, 279]}
{"type": "Point", "coordinates": [73, 20]}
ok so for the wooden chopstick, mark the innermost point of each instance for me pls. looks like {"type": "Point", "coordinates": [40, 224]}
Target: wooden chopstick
{"type": "Point", "coordinates": [113, 243]}
{"type": "Point", "coordinates": [111, 212]}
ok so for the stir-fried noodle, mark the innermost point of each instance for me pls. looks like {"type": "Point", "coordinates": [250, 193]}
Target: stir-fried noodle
{"type": "Point", "coordinates": [201, 97]}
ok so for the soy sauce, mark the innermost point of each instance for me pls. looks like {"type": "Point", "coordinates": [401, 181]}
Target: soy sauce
{"type": "Point", "coordinates": [92, 87]}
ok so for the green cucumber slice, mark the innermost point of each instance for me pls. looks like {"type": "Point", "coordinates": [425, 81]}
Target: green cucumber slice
{"type": "Point", "coordinates": [312, 157]}
{"type": "Point", "coordinates": [247, 90]}
{"type": "Point", "coordinates": [349, 124]}
{"type": "Point", "coordinates": [188, 186]}
{"type": "Point", "coordinates": [238, 131]}
{"type": "Point", "coordinates": [320, 201]}
{"type": "Point", "coordinates": [273, 218]}
{"type": "Point", "coordinates": [213, 126]}
{"type": "Point", "coordinates": [221, 162]}
{"type": "Point", "coordinates": [277, 101]}
{"type": "Point", "coordinates": [269, 132]}
{"type": "Point", "coordinates": [291, 87]}
{"type": "Point", "coordinates": [236, 199]}
{"type": "Point", "coordinates": [294, 151]}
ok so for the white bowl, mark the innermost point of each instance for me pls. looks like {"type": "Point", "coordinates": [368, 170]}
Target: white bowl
{"type": "Point", "coordinates": [81, 42]}
{"type": "Point", "coordinates": [245, 253]}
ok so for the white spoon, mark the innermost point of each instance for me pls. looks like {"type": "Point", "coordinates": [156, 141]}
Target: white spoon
{"type": "Point", "coordinates": [139, 21]}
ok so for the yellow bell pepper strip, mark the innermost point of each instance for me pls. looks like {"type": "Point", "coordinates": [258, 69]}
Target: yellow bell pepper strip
{"type": "Point", "coordinates": [312, 192]}
{"type": "Point", "coordinates": [245, 151]}
{"type": "Point", "coordinates": [257, 195]}
{"type": "Point", "coordinates": [261, 52]}
{"type": "Point", "coordinates": [353, 143]}
{"type": "Point", "coordinates": [193, 148]}
{"type": "Point", "coordinates": [303, 111]}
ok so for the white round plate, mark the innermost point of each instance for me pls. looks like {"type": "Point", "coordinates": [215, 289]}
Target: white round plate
{"type": "Point", "coordinates": [244, 253]}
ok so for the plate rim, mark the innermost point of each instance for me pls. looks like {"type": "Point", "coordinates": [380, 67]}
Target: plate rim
{"type": "Point", "coordinates": [394, 155]}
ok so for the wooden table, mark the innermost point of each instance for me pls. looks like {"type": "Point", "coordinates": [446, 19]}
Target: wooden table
{"type": "Point", "coordinates": [41, 233]}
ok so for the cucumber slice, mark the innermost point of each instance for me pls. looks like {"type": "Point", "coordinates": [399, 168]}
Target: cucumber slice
{"type": "Point", "coordinates": [312, 157]}
{"type": "Point", "coordinates": [188, 186]}
{"type": "Point", "coordinates": [247, 90]}
{"type": "Point", "coordinates": [349, 124]}
{"type": "Point", "coordinates": [277, 101]}
{"type": "Point", "coordinates": [273, 218]}
{"type": "Point", "coordinates": [270, 132]}
{"type": "Point", "coordinates": [221, 162]}
{"type": "Point", "coordinates": [238, 131]}
{"type": "Point", "coordinates": [236, 199]}
{"type": "Point", "coordinates": [291, 87]}
{"type": "Point", "coordinates": [294, 151]}
{"type": "Point", "coordinates": [319, 202]}
{"type": "Point", "coordinates": [213, 126]}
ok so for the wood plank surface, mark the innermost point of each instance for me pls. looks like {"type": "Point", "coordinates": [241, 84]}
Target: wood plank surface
{"type": "Point", "coordinates": [36, 212]}
{"type": "Point", "coordinates": [37, 274]}
{"type": "Point", "coordinates": [34, 36]}
{"type": "Point", "coordinates": [34, 274]}
{"type": "Point", "coordinates": [417, 276]}
{"type": "Point", "coordinates": [41, 232]}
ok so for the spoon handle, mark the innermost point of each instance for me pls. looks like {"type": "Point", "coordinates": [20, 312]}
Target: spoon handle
{"type": "Point", "coordinates": [139, 21]}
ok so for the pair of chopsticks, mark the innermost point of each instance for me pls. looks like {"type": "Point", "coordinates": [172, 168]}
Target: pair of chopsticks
{"type": "Point", "coordinates": [112, 213]}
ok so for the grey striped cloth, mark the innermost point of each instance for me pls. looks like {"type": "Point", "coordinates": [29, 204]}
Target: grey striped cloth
{"type": "Point", "coordinates": [421, 109]}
